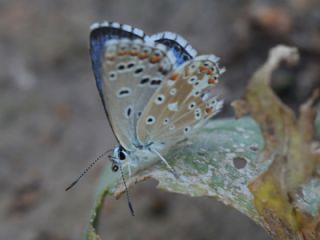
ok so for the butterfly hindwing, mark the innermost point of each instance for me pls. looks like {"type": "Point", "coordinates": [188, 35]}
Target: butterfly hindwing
{"type": "Point", "coordinates": [181, 49]}
{"type": "Point", "coordinates": [184, 102]}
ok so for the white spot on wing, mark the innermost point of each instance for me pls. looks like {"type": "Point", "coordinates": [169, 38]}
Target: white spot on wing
{"type": "Point", "coordinates": [94, 26]}
{"type": "Point", "coordinates": [173, 91]}
{"type": "Point", "coordinates": [115, 25]}
{"type": "Point", "coordinates": [181, 41]}
{"type": "Point", "coordinates": [173, 106]}
{"type": "Point", "coordinates": [170, 82]}
{"type": "Point", "coordinates": [104, 24]}
{"type": "Point", "coordinates": [170, 35]}
{"type": "Point", "coordinates": [191, 51]}
{"type": "Point", "coordinates": [138, 32]}
{"type": "Point", "coordinates": [127, 28]}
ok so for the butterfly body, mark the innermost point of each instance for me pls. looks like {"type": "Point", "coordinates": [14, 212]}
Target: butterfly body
{"type": "Point", "coordinates": [154, 89]}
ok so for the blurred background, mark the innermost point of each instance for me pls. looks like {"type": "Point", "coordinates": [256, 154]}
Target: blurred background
{"type": "Point", "coordinates": [52, 122]}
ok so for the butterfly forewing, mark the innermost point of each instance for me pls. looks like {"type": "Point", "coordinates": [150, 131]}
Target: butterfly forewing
{"type": "Point", "coordinates": [131, 72]}
{"type": "Point", "coordinates": [184, 102]}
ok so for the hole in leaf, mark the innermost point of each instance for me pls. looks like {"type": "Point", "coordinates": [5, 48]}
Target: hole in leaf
{"type": "Point", "coordinates": [239, 162]}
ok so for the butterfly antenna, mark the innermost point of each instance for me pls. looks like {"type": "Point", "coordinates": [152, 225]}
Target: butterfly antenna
{"type": "Point", "coordinates": [127, 192]}
{"type": "Point", "coordinates": [87, 169]}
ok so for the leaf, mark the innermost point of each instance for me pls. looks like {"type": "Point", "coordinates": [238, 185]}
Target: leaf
{"type": "Point", "coordinates": [225, 156]}
{"type": "Point", "coordinates": [289, 142]}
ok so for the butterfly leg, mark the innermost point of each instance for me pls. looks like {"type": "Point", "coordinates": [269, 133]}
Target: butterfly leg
{"type": "Point", "coordinates": [130, 164]}
{"type": "Point", "coordinates": [165, 162]}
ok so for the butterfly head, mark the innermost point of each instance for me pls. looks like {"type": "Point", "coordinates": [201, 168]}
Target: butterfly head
{"type": "Point", "coordinates": [119, 155]}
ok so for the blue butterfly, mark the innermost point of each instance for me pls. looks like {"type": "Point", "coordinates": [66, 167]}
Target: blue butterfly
{"type": "Point", "coordinates": [155, 90]}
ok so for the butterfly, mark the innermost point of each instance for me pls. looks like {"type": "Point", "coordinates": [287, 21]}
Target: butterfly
{"type": "Point", "coordinates": [155, 90]}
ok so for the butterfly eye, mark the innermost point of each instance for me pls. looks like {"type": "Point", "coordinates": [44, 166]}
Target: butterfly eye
{"type": "Point", "coordinates": [122, 155]}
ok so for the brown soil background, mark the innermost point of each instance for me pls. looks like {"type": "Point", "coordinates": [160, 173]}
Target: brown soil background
{"type": "Point", "coordinates": [52, 122]}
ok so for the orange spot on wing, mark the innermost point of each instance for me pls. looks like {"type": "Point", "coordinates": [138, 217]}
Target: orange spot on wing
{"type": "Point", "coordinates": [142, 55]}
{"type": "Point", "coordinates": [206, 70]}
{"type": "Point", "coordinates": [212, 81]}
{"type": "Point", "coordinates": [155, 59]}
{"type": "Point", "coordinates": [133, 53]}
{"type": "Point", "coordinates": [174, 76]}
{"type": "Point", "coordinates": [208, 110]}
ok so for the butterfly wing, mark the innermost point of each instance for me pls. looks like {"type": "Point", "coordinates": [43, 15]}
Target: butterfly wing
{"type": "Point", "coordinates": [184, 102]}
{"type": "Point", "coordinates": [128, 71]}
{"type": "Point", "coordinates": [181, 49]}
{"type": "Point", "coordinates": [100, 34]}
